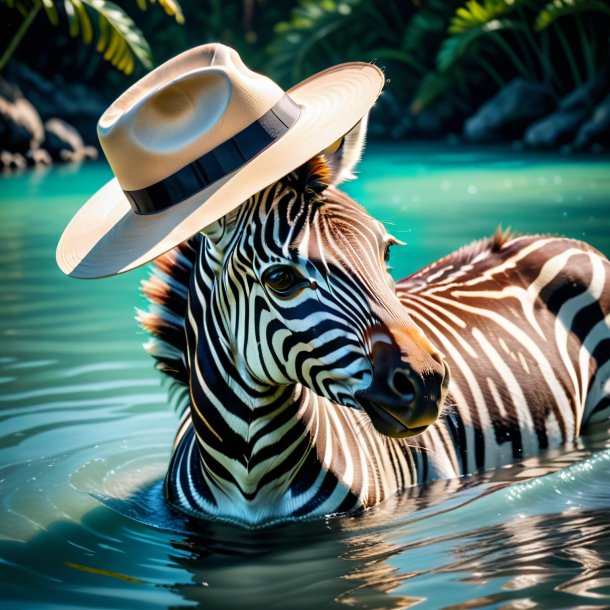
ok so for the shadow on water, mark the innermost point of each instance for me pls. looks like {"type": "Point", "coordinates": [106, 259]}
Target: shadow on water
{"type": "Point", "coordinates": [207, 564]}
{"type": "Point", "coordinates": [148, 554]}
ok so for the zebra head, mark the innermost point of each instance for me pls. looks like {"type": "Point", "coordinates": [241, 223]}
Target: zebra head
{"type": "Point", "coordinates": [301, 294]}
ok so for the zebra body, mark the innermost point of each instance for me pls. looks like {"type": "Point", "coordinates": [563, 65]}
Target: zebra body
{"type": "Point", "coordinates": [308, 387]}
{"type": "Point", "coordinates": [525, 326]}
{"type": "Point", "coordinates": [527, 372]}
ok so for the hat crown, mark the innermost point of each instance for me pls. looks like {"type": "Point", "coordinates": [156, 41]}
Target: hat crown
{"type": "Point", "coordinates": [181, 111]}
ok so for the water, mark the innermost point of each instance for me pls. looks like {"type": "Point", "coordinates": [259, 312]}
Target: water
{"type": "Point", "coordinates": [85, 433]}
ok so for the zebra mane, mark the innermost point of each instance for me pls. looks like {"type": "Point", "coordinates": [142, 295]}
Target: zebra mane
{"type": "Point", "coordinates": [457, 262]}
{"type": "Point", "coordinates": [476, 249]}
{"type": "Point", "coordinates": [167, 292]}
{"type": "Point", "coordinates": [466, 254]}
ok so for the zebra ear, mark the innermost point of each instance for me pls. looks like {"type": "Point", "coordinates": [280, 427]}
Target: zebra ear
{"type": "Point", "coordinates": [336, 163]}
{"type": "Point", "coordinates": [343, 156]}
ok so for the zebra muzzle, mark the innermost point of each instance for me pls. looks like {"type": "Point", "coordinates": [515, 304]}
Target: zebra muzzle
{"type": "Point", "coordinates": [400, 400]}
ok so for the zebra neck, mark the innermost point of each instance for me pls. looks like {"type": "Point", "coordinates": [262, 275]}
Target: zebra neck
{"type": "Point", "coordinates": [257, 452]}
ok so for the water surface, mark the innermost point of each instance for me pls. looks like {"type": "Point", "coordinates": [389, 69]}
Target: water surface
{"type": "Point", "coordinates": [85, 431]}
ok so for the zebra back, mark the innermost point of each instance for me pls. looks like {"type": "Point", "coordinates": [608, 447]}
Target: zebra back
{"type": "Point", "coordinates": [523, 322]}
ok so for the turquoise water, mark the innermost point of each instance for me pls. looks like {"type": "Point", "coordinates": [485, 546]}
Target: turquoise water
{"type": "Point", "coordinates": [85, 433]}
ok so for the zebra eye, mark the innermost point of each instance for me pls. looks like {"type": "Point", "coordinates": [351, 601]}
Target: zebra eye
{"type": "Point", "coordinates": [283, 280]}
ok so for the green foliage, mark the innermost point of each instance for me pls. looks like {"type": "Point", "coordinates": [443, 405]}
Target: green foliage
{"type": "Point", "coordinates": [320, 34]}
{"type": "Point", "coordinates": [427, 27]}
{"type": "Point", "coordinates": [475, 16]}
{"type": "Point", "coordinates": [463, 42]}
{"type": "Point", "coordinates": [102, 22]}
{"type": "Point", "coordinates": [458, 51]}
{"type": "Point", "coordinates": [172, 8]}
{"type": "Point", "coordinates": [568, 8]}
{"type": "Point", "coordinates": [504, 38]}
{"type": "Point", "coordinates": [246, 25]}
{"type": "Point", "coordinates": [118, 39]}
{"type": "Point", "coordinates": [433, 85]}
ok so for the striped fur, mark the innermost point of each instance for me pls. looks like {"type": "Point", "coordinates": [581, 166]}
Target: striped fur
{"type": "Point", "coordinates": [274, 389]}
{"type": "Point", "coordinates": [523, 323]}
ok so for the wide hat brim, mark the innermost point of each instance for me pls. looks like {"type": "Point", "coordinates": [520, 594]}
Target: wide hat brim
{"type": "Point", "coordinates": [105, 237]}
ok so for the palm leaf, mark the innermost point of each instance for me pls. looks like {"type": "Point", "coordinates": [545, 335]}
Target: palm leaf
{"type": "Point", "coordinates": [51, 11]}
{"type": "Point", "coordinates": [433, 86]}
{"type": "Point", "coordinates": [562, 8]}
{"type": "Point", "coordinates": [171, 8]}
{"type": "Point", "coordinates": [119, 40]}
{"type": "Point", "coordinates": [385, 53]}
{"type": "Point", "coordinates": [474, 15]}
{"type": "Point", "coordinates": [456, 47]}
{"type": "Point", "coordinates": [115, 34]}
{"type": "Point", "coordinates": [430, 20]}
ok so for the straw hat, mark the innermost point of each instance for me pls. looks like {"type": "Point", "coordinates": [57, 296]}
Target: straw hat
{"type": "Point", "coordinates": [194, 139]}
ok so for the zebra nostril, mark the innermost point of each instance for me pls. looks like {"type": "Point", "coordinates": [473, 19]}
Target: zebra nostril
{"type": "Point", "coordinates": [402, 385]}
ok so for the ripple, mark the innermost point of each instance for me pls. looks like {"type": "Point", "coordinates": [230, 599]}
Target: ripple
{"type": "Point", "coordinates": [86, 434]}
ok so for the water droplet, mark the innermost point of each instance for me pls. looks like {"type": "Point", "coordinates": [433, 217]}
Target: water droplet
{"type": "Point", "coordinates": [541, 180]}
{"type": "Point", "coordinates": [557, 179]}
{"type": "Point", "coordinates": [472, 189]}
{"type": "Point", "coordinates": [395, 198]}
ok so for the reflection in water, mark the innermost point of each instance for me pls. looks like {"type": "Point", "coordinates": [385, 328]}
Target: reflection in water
{"type": "Point", "coordinates": [498, 540]}
{"type": "Point", "coordinates": [558, 560]}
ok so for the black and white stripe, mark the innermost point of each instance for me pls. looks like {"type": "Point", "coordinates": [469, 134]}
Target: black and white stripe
{"type": "Point", "coordinates": [277, 423]}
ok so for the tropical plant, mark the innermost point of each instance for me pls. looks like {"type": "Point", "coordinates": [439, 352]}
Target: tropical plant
{"type": "Point", "coordinates": [504, 38]}
{"type": "Point", "coordinates": [568, 8]}
{"type": "Point", "coordinates": [104, 23]}
{"type": "Point", "coordinates": [246, 25]}
{"type": "Point", "coordinates": [326, 32]}
{"type": "Point", "coordinates": [400, 36]}
{"type": "Point", "coordinates": [576, 10]}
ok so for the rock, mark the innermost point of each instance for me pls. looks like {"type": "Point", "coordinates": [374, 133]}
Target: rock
{"type": "Point", "coordinates": [13, 135]}
{"type": "Point", "coordinates": [428, 123]}
{"type": "Point", "coordinates": [75, 103]}
{"type": "Point", "coordinates": [510, 111]}
{"type": "Point", "coordinates": [560, 127]}
{"type": "Point", "coordinates": [442, 118]}
{"type": "Point", "coordinates": [595, 131]}
{"type": "Point", "coordinates": [64, 143]}
{"type": "Point", "coordinates": [585, 96]}
{"type": "Point", "coordinates": [38, 157]}
{"type": "Point", "coordinates": [21, 128]}
{"type": "Point", "coordinates": [391, 120]}
{"type": "Point", "coordinates": [556, 129]}
{"type": "Point", "coordinates": [9, 91]}
{"type": "Point", "coordinates": [12, 161]}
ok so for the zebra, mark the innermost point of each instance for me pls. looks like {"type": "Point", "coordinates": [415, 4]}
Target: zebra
{"type": "Point", "coordinates": [310, 384]}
